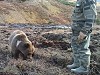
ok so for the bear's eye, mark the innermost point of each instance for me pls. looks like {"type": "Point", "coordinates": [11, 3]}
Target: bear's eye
{"type": "Point", "coordinates": [26, 45]}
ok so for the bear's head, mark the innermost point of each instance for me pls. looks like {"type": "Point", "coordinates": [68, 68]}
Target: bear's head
{"type": "Point", "coordinates": [26, 49]}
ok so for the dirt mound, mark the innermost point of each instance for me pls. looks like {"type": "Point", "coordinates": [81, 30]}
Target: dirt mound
{"type": "Point", "coordinates": [36, 12]}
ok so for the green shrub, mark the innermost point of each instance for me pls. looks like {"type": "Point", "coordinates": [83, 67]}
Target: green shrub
{"type": "Point", "coordinates": [98, 21]}
{"type": "Point", "coordinates": [66, 2]}
{"type": "Point", "coordinates": [98, 12]}
{"type": "Point", "coordinates": [22, 0]}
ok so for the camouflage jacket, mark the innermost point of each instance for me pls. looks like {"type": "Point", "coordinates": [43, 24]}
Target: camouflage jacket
{"type": "Point", "coordinates": [85, 11]}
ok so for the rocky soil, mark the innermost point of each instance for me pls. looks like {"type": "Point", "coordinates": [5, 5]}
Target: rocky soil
{"type": "Point", "coordinates": [53, 50]}
{"type": "Point", "coordinates": [52, 42]}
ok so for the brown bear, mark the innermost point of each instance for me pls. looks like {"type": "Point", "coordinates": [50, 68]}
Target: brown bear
{"type": "Point", "coordinates": [21, 45]}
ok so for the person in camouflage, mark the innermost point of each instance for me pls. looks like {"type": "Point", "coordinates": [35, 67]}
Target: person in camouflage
{"type": "Point", "coordinates": [83, 18]}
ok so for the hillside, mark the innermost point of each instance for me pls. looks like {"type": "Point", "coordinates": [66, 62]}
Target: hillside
{"type": "Point", "coordinates": [36, 12]}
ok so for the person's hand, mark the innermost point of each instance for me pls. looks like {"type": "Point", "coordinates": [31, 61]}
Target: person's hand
{"type": "Point", "coordinates": [81, 37]}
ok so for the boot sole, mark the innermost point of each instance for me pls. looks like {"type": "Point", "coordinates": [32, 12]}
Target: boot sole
{"type": "Point", "coordinates": [72, 68]}
{"type": "Point", "coordinates": [79, 72]}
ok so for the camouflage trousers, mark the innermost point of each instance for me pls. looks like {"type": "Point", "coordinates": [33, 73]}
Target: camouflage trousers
{"type": "Point", "coordinates": [81, 52]}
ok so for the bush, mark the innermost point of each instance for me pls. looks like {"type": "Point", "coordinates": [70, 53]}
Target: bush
{"type": "Point", "coordinates": [98, 12]}
{"type": "Point", "coordinates": [23, 0]}
{"type": "Point", "coordinates": [98, 21]}
{"type": "Point", "coordinates": [66, 2]}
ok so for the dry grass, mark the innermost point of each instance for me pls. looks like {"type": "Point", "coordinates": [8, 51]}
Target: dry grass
{"type": "Point", "coordinates": [37, 13]}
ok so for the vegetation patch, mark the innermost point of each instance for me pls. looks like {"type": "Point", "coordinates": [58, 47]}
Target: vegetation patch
{"type": "Point", "coordinates": [66, 2]}
{"type": "Point", "coordinates": [98, 19]}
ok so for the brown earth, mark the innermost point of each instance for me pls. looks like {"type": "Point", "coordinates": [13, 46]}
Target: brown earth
{"type": "Point", "coordinates": [36, 12]}
{"type": "Point", "coordinates": [53, 51]}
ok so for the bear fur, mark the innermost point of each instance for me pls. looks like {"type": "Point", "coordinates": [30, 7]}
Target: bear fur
{"type": "Point", "coordinates": [21, 45]}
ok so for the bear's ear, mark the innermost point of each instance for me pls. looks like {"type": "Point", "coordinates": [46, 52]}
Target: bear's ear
{"type": "Point", "coordinates": [26, 45]}
{"type": "Point", "coordinates": [22, 36]}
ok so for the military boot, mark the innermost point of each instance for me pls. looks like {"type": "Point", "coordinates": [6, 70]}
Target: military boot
{"type": "Point", "coordinates": [80, 70]}
{"type": "Point", "coordinates": [74, 65]}
{"type": "Point", "coordinates": [84, 66]}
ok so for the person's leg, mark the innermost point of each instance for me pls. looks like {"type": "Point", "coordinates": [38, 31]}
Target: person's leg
{"type": "Point", "coordinates": [84, 58]}
{"type": "Point", "coordinates": [75, 46]}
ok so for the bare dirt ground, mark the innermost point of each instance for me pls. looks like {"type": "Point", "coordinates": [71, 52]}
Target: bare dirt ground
{"type": "Point", "coordinates": [53, 51]}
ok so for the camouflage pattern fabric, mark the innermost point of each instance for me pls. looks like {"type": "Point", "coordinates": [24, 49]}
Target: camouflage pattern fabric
{"type": "Point", "coordinates": [83, 18]}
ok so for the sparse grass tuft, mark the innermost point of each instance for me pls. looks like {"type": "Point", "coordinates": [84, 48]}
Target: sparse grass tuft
{"type": "Point", "coordinates": [66, 2]}
{"type": "Point", "coordinates": [98, 12]}
{"type": "Point", "coordinates": [98, 21]}
{"type": "Point", "coordinates": [98, 18]}
{"type": "Point", "coordinates": [22, 0]}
